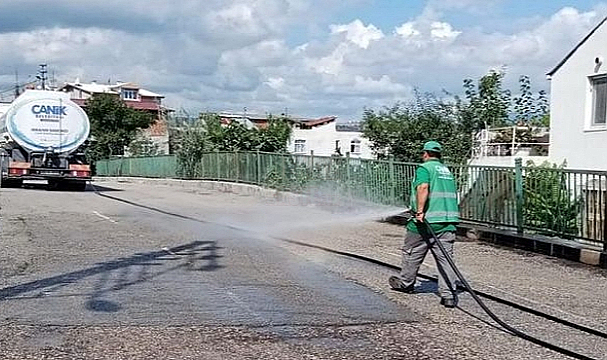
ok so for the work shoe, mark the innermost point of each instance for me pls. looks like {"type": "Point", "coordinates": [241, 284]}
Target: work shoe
{"type": "Point", "coordinates": [397, 285]}
{"type": "Point", "coordinates": [448, 302]}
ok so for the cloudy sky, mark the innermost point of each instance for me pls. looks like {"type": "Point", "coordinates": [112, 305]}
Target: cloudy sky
{"type": "Point", "coordinates": [310, 57]}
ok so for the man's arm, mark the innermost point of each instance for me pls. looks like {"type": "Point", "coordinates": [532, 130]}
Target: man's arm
{"type": "Point", "coordinates": [422, 197]}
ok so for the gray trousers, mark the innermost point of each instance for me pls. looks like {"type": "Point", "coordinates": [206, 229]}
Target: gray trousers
{"type": "Point", "coordinates": [414, 251]}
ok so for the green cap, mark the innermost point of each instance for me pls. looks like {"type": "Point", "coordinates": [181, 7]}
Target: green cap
{"type": "Point", "coordinates": [433, 146]}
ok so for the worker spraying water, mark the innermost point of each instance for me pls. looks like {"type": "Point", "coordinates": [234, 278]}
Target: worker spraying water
{"type": "Point", "coordinates": [434, 205]}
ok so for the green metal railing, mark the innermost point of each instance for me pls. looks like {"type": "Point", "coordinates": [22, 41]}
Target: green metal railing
{"type": "Point", "coordinates": [551, 201]}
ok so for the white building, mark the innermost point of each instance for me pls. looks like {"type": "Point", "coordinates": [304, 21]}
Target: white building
{"type": "Point", "coordinates": [489, 150]}
{"type": "Point", "coordinates": [325, 138]}
{"type": "Point", "coordinates": [578, 110]}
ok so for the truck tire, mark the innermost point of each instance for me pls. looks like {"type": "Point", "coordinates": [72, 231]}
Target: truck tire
{"type": "Point", "coordinates": [77, 185]}
{"type": "Point", "coordinates": [11, 183]}
{"type": "Point", "coordinates": [67, 185]}
{"type": "Point", "coordinates": [54, 185]}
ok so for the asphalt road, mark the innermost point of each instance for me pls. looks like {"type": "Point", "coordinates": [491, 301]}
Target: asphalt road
{"type": "Point", "coordinates": [142, 271]}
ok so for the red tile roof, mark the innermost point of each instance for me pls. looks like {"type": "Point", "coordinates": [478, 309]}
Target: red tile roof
{"type": "Point", "coordinates": [316, 122]}
{"type": "Point", "coordinates": [142, 105]}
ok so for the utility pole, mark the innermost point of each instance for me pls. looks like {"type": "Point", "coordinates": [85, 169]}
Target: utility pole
{"type": "Point", "coordinates": [42, 76]}
{"type": "Point", "coordinates": [17, 92]}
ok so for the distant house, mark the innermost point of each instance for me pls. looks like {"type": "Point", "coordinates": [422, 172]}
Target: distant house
{"type": "Point", "coordinates": [325, 137]}
{"type": "Point", "coordinates": [578, 109]}
{"type": "Point", "coordinates": [134, 97]}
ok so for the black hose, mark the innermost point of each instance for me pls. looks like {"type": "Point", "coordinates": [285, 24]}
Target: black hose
{"type": "Point", "coordinates": [488, 311]}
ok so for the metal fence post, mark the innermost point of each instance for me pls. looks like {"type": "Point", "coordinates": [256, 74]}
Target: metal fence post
{"type": "Point", "coordinates": [518, 188]}
{"type": "Point", "coordinates": [1, 168]}
{"type": "Point", "coordinates": [237, 160]}
{"type": "Point", "coordinates": [312, 163]}
{"type": "Point", "coordinates": [284, 172]}
{"type": "Point", "coordinates": [258, 167]}
{"type": "Point", "coordinates": [604, 224]}
{"type": "Point", "coordinates": [348, 176]}
{"type": "Point", "coordinates": [217, 164]}
{"type": "Point", "coordinates": [247, 174]}
{"type": "Point", "coordinates": [392, 180]}
{"type": "Point", "coordinates": [348, 169]}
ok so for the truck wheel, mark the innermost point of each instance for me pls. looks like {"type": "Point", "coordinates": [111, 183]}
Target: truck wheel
{"type": "Point", "coordinates": [11, 183]}
{"type": "Point", "coordinates": [77, 185]}
{"type": "Point", "coordinates": [54, 185]}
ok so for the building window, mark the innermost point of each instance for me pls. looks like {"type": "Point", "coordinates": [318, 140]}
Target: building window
{"type": "Point", "coordinates": [355, 146]}
{"type": "Point", "coordinates": [300, 146]}
{"type": "Point", "coordinates": [599, 100]}
{"type": "Point", "coordinates": [129, 94]}
{"type": "Point", "coordinates": [337, 148]}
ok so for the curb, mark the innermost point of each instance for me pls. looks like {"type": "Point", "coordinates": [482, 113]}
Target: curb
{"type": "Point", "coordinates": [551, 246]}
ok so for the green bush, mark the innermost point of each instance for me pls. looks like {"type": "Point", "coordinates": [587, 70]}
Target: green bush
{"type": "Point", "coordinates": [548, 202]}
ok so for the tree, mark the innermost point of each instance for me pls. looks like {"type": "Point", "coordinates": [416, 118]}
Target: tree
{"type": "Point", "coordinates": [143, 145]}
{"type": "Point", "coordinates": [209, 134]}
{"type": "Point", "coordinates": [488, 103]}
{"type": "Point", "coordinates": [548, 203]}
{"type": "Point", "coordinates": [193, 144]}
{"type": "Point", "coordinates": [530, 110]}
{"type": "Point", "coordinates": [177, 123]}
{"type": "Point", "coordinates": [113, 125]}
{"type": "Point", "coordinates": [236, 136]}
{"type": "Point", "coordinates": [402, 130]}
{"type": "Point", "coordinates": [275, 137]}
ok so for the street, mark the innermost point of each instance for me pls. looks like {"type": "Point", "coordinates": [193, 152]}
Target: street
{"type": "Point", "coordinates": [148, 271]}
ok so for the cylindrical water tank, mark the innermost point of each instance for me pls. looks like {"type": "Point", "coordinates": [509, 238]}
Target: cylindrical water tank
{"type": "Point", "coordinates": [46, 121]}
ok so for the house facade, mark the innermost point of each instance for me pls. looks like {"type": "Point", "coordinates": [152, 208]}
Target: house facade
{"type": "Point", "coordinates": [322, 136]}
{"type": "Point", "coordinates": [325, 138]}
{"type": "Point", "coordinates": [134, 97]}
{"type": "Point", "coordinates": [578, 106]}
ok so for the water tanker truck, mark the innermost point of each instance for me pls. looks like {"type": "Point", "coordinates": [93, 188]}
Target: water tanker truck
{"type": "Point", "coordinates": [42, 137]}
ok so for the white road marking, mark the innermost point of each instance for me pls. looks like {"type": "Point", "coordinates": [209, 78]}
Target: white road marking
{"type": "Point", "coordinates": [397, 255]}
{"type": "Point", "coordinates": [104, 217]}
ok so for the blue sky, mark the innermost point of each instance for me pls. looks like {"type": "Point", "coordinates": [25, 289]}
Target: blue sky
{"type": "Point", "coordinates": [392, 13]}
{"type": "Point", "coordinates": [314, 57]}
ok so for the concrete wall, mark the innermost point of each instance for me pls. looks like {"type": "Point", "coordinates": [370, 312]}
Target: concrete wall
{"type": "Point", "coordinates": [321, 140]}
{"type": "Point", "coordinates": [572, 138]}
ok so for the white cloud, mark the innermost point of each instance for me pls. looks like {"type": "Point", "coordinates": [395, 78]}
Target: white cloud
{"type": "Point", "coordinates": [228, 54]}
{"type": "Point", "coordinates": [332, 63]}
{"type": "Point", "coordinates": [275, 82]}
{"type": "Point", "coordinates": [443, 30]}
{"type": "Point", "coordinates": [358, 33]}
{"type": "Point", "coordinates": [362, 85]}
{"type": "Point", "coordinates": [407, 30]}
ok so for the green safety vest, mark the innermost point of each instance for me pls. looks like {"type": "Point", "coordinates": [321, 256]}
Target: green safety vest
{"type": "Point", "coordinates": [441, 206]}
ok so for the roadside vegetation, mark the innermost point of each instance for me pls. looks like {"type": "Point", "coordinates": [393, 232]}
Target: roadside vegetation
{"type": "Point", "coordinates": [400, 130]}
{"type": "Point", "coordinates": [114, 126]}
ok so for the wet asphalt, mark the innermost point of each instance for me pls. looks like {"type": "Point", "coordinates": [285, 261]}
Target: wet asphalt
{"type": "Point", "coordinates": [80, 260]}
{"type": "Point", "coordinates": [141, 271]}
